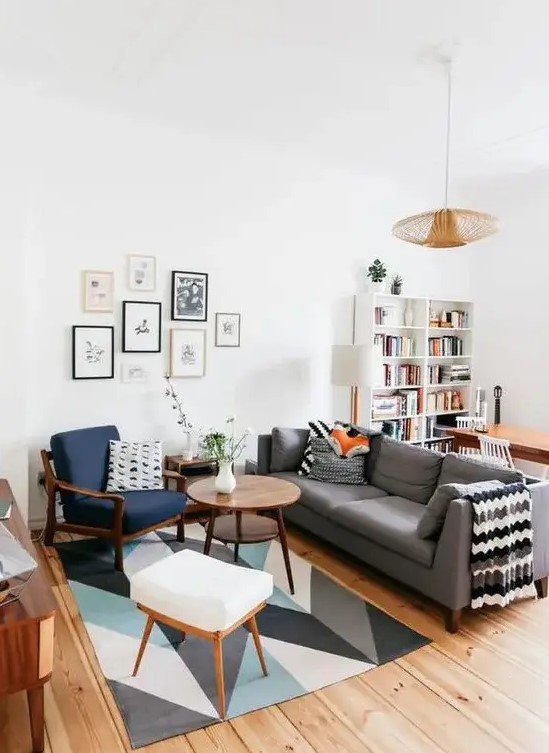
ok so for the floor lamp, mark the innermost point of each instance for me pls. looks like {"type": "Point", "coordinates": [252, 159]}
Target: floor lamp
{"type": "Point", "coordinates": [350, 368]}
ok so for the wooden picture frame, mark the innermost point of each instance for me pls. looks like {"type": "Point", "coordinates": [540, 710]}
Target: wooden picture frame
{"type": "Point", "coordinates": [141, 326]}
{"type": "Point", "coordinates": [187, 353]}
{"type": "Point", "coordinates": [189, 295]}
{"type": "Point", "coordinates": [141, 273]}
{"type": "Point", "coordinates": [92, 352]}
{"type": "Point", "coordinates": [97, 291]}
{"type": "Point", "coordinates": [227, 330]}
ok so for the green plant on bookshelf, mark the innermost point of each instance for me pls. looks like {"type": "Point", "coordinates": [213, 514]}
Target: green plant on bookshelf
{"type": "Point", "coordinates": [396, 284]}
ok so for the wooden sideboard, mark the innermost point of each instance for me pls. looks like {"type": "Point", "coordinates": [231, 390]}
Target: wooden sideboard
{"type": "Point", "coordinates": [26, 633]}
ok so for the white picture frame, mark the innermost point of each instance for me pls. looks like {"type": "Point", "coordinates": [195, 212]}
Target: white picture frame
{"type": "Point", "coordinates": [92, 352]}
{"type": "Point", "coordinates": [141, 272]}
{"type": "Point", "coordinates": [227, 330]}
{"type": "Point", "coordinates": [187, 353]}
{"type": "Point", "coordinates": [97, 291]}
{"type": "Point", "coordinates": [141, 326]}
{"type": "Point", "coordinates": [134, 373]}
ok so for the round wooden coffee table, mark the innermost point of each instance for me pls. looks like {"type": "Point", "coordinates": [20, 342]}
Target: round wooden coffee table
{"type": "Point", "coordinates": [252, 495]}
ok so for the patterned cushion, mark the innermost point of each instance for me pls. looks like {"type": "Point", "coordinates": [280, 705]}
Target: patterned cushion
{"type": "Point", "coordinates": [134, 466]}
{"type": "Point", "coordinates": [327, 466]}
{"type": "Point", "coordinates": [348, 442]}
{"type": "Point", "coordinates": [317, 429]}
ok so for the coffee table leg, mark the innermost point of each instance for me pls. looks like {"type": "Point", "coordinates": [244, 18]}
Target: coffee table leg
{"type": "Point", "coordinates": [210, 530]}
{"type": "Point", "coordinates": [284, 545]}
{"type": "Point", "coordinates": [238, 534]}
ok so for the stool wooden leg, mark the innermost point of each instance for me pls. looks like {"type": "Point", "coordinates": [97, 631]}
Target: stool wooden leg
{"type": "Point", "coordinates": [209, 531]}
{"type": "Point", "coordinates": [218, 658]}
{"type": "Point", "coordinates": [284, 545]}
{"type": "Point", "coordinates": [258, 647]}
{"type": "Point", "coordinates": [146, 634]}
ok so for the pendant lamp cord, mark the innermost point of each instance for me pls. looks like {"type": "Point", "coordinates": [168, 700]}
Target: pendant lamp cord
{"type": "Point", "coordinates": [448, 119]}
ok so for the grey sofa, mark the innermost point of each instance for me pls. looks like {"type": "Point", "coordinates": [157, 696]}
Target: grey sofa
{"type": "Point", "coordinates": [377, 522]}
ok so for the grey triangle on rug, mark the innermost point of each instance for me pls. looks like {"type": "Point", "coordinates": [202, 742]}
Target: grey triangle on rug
{"type": "Point", "coordinates": [321, 635]}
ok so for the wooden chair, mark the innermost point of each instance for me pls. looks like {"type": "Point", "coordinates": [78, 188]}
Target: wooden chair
{"type": "Point", "coordinates": [470, 422]}
{"type": "Point", "coordinates": [81, 458]}
{"type": "Point", "coordinates": [495, 450]}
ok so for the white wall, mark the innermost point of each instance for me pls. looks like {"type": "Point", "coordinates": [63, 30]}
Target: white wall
{"type": "Point", "coordinates": [284, 237]}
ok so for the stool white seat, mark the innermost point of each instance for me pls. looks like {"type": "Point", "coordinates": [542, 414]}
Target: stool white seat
{"type": "Point", "coordinates": [202, 596]}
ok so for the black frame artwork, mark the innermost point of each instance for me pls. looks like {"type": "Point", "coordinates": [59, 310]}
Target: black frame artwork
{"type": "Point", "coordinates": [197, 309]}
{"type": "Point", "coordinates": [75, 329]}
{"type": "Point", "coordinates": [156, 347]}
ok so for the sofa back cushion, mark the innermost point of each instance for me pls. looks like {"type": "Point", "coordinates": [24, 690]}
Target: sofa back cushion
{"type": "Point", "coordinates": [464, 469]}
{"type": "Point", "coordinates": [287, 448]}
{"type": "Point", "coordinates": [404, 470]}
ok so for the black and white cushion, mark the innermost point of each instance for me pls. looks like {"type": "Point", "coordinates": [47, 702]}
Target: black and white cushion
{"type": "Point", "coordinates": [317, 430]}
{"type": "Point", "coordinates": [328, 466]}
{"type": "Point", "coordinates": [134, 466]}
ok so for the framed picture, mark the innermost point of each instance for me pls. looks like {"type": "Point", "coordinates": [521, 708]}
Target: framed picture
{"type": "Point", "coordinates": [92, 352]}
{"type": "Point", "coordinates": [187, 352]}
{"type": "Point", "coordinates": [141, 326]}
{"type": "Point", "coordinates": [134, 373]}
{"type": "Point", "coordinates": [189, 296]}
{"type": "Point", "coordinates": [98, 290]}
{"type": "Point", "coordinates": [141, 272]}
{"type": "Point", "coordinates": [227, 330]}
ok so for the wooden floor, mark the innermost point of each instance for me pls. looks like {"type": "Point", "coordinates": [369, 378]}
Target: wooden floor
{"type": "Point", "coordinates": [483, 690]}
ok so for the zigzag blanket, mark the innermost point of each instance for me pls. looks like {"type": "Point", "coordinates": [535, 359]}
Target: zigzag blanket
{"type": "Point", "coordinates": [501, 546]}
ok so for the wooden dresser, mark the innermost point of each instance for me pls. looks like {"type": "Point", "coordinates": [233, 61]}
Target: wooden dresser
{"type": "Point", "coordinates": [26, 633]}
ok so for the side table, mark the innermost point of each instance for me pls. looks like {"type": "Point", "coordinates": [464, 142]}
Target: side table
{"type": "Point", "coordinates": [192, 470]}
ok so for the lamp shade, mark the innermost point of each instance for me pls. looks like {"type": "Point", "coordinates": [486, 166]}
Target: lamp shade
{"type": "Point", "coordinates": [350, 365]}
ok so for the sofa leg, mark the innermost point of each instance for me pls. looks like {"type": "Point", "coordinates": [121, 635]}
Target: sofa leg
{"type": "Point", "coordinates": [542, 587]}
{"type": "Point", "coordinates": [452, 620]}
{"type": "Point", "coordinates": [119, 555]}
{"type": "Point", "coordinates": [181, 529]}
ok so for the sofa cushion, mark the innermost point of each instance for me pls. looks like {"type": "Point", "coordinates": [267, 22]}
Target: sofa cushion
{"type": "Point", "coordinates": [316, 429]}
{"type": "Point", "coordinates": [348, 442]}
{"type": "Point", "coordinates": [328, 466]}
{"type": "Point", "coordinates": [404, 470]}
{"type": "Point", "coordinates": [134, 466]}
{"type": "Point", "coordinates": [464, 469]}
{"type": "Point", "coordinates": [141, 510]}
{"type": "Point", "coordinates": [390, 522]}
{"type": "Point", "coordinates": [434, 514]}
{"type": "Point", "coordinates": [287, 448]}
{"type": "Point", "coordinates": [323, 497]}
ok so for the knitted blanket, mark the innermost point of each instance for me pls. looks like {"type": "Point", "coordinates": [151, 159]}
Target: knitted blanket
{"type": "Point", "coordinates": [501, 547]}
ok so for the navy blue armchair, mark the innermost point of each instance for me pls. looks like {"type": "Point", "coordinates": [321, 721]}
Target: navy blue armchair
{"type": "Point", "coordinates": [80, 459]}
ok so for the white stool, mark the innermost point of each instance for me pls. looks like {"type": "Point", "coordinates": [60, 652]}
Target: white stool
{"type": "Point", "coordinates": [202, 596]}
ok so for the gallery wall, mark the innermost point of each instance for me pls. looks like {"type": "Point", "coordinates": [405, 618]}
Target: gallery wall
{"type": "Point", "coordinates": [284, 238]}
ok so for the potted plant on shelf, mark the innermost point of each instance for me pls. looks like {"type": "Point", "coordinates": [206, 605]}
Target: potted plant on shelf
{"type": "Point", "coordinates": [182, 420]}
{"type": "Point", "coordinates": [225, 448]}
{"type": "Point", "coordinates": [377, 272]}
{"type": "Point", "coordinates": [396, 284]}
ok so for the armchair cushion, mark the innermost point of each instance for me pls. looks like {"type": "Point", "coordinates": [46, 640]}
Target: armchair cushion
{"type": "Point", "coordinates": [81, 457]}
{"type": "Point", "coordinates": [141, 510]}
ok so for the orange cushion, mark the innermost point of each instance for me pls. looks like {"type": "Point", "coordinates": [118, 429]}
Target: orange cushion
{"type": "Point", "coordinates": [348, 442]}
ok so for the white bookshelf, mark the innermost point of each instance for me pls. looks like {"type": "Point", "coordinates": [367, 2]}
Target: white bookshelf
{"type": "Point", "coordinates": [420, 330]}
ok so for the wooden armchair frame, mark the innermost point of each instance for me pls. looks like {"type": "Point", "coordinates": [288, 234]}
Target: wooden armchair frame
{"type": "Point", "coordinates": [116, 533]}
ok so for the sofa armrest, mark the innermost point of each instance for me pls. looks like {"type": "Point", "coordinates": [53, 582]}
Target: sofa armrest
{"type": "Point", "coordinates": [540, 527]}
{"type": "Point", "coordinates": [250, 468]}
{"type": "Point", "coordinates": [264, 442]}
{"type": "Point", "coordinates": [453, 554]}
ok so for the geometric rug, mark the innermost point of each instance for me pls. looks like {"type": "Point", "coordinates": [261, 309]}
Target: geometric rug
{"type": "Point", "coordinates": [321, 635]}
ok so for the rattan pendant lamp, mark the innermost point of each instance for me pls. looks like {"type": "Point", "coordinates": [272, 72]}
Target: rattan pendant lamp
{"type": "Point", "coordinates": [446, 228]}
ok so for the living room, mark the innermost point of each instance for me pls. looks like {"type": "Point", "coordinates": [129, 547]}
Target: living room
{"type": "Point", "coordinates": [264, 152]}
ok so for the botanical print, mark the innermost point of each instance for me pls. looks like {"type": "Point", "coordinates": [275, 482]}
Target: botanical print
{"type": "Point", "coordinates": [92, 352]}
{"type": "Point", "coordinates": [187, 352]}
{"type": "Point", "coordinates": [190, 296]}
{"type": "Point", "coordinates": [141, 272]}
{"type": "Point", "coordinates": [141, 326]}
{"type": "Point", "coordinates": [98, 290]}
{"type": "Point", "coordinates": [227, 330]}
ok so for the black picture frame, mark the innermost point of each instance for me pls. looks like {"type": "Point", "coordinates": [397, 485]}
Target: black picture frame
{"type": "Point", "coordinates": [197, 308]}
{"type": "Point", "coordinates": [84, 369]}
{"type": "Point", "coordinates": [129, 319]}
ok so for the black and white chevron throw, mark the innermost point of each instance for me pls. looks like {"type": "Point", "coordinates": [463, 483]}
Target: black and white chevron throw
{"type": "Point", "coordinates": [501, 546]}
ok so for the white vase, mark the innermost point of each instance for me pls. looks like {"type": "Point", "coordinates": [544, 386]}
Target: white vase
{"type": "Point", "coordinates": [409, 315]}
{"type": "Point", "coordinates": [377, 287]}
{"type": "Point", "coordinates": [225, 481]}
{"type": "Point", "coordinates": [187, 447]}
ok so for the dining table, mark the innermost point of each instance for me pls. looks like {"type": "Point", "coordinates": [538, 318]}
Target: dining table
{"type": "Point", "coordinates": [525, 443]}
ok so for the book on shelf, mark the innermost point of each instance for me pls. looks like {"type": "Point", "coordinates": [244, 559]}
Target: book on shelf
{"type": "Point", "coordinates": [402, 403]}
{"type": "Point", "coordinates": [404, 429]}
{"type": "Point", "coordinates": [442, 401]}
{"type": "Point", "coordinates": [449, 373]}
{"type": "Point", "coordinates": [449, 345]}
{"type": "Point", "coordinates": [401, 375]}
{"type": "Point", "coordinates": [396, 346]}
{"type": "Point", "coordinates": [457, 319]}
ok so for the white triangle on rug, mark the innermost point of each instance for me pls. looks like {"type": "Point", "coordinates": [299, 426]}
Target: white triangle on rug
{"type": "Point", "coordinates": [311, 668]}
{"type": "Point", "coordinates": [149, 549]}
{"type": "Point", "coordinates": [162, 672]}
{"type": "Point", "coordinates": [301, 571]}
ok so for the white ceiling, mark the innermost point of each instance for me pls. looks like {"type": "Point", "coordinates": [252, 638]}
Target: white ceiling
{"type": "Point", "coordinates": [339, 78]}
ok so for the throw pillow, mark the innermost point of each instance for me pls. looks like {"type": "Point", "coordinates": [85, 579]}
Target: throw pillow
{"type": "Point", "coordinates": [317, 430]}
{"type": "Point", "coordinates": [348, 442]}
{"type": "Point", "coordinates": [134, 466]}
{"type": "Point", "coordinates": [327, 466]}
{"type": "Point", "coordinates": [431, 522]}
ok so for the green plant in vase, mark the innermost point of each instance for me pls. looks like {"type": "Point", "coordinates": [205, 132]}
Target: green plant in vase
{"type": "Point", "coordinates": [225, 448]}
{"type": "Point", "coordinates": [396, 284]}
{"type": "Point", "coordinates": [377, 272]}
